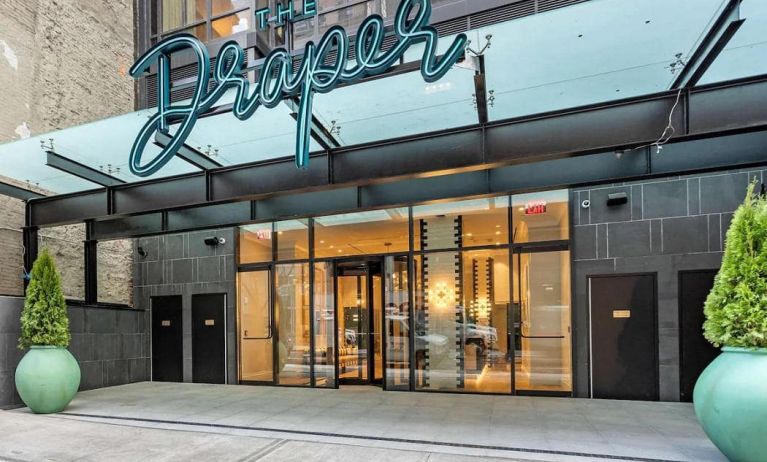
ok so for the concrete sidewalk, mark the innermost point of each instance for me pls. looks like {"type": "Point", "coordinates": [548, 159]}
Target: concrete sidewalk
{"type": "Point", "coordinates": [333, 422]}
{"type": "Point", "coordinates": [34, 438]}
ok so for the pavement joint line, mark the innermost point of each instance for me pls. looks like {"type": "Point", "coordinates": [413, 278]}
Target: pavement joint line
{"type": "Point", "coordinates": [376, 438]}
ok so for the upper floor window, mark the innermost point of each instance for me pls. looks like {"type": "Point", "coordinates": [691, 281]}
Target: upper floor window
{"type": "Point", "coordinates": [205, 19]}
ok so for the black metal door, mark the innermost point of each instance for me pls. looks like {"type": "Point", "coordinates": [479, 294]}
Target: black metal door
{"type": "Point", "coordinates": [696, 353]}
{"type": "Point", "coordinates": [167, 339]}
{"type": "Point", "coordinates": [624, 351]}
{"type": "Point", "coordinates": [208, 338]}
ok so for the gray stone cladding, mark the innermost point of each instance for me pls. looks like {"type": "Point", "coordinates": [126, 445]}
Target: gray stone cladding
{"type": "Point", "coordinates": [182, 264]}
{"type": "Point", "coordinates": [669, 225]}
{"type": "Point", "coordinates": [108, 343]}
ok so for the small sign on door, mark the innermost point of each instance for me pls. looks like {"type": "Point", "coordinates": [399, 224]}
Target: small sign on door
{"type": "Point", "coordinates": [621, 314]}
{"type": "Point", "coordinates": [210, 322]}
{"type": "Point", "coordinates": [165, 323]}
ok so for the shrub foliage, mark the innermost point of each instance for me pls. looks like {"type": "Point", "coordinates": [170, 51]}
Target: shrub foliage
{"type": "Point", "coordinates": [736, 308]}
{"type": "Point", "coordinates": [44, 319]}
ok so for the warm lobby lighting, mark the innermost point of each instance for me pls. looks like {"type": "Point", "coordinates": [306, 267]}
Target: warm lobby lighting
{"type": "Point", "coordinates": [442, 295]}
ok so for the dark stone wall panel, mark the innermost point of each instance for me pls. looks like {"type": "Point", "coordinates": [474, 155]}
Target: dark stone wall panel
{"type": "Point", "coordinates": [106, 343]}
{"type": "Point", "coordinates": [669, 225]}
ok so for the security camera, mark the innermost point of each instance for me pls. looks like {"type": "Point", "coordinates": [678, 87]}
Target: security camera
{"type": "Point", "coordinates": [215, 241]}
{"type": "Point", "coordinates": [586, 204]}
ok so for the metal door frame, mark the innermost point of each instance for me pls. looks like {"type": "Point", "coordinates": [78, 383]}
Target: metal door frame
{"type": "Point", "coordinates": [338, 265]}
{"type": "Point", "coordinates": [516, 251]}
{"type": "Point", "coordinates": [269, 269]}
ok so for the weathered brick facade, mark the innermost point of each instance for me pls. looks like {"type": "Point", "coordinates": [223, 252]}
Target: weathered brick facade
{"type": "Point", "coordinates": [62, 63]}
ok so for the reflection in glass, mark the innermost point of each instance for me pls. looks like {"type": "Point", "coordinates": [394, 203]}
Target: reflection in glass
{"type": "Point", "coordinates": [255, 333]}
{"type": "Point", "coordinates": [178, 13]}
{"type": "Point", "coordinates": [353, 327]}
{"type": "Point", "coordinates": [222, 6]}
{"type": "Point", "coordinates": [292, 307]}
{"type": "Point", "coordinates": [199, 31]}
{"type": "Point", "coordinates": [485, 339]}
{"type": "Point", "coordinates": [541, 217]}
{"type": "Point", "coordinates": [255, 244]}
{"type": "Point", "coordinates": [377, 338]}
{"type": "Point", "coordinates": [397, 312]}
{"type": "Point", "coordinates": [365, 233]}
{"type": "Point", "coordinates": [439, 323]}
{"type": "Point", "coordinates": [232, 24]}
{"type": "Point", "coordinates": [462, 319]}
{"type": "Point", "coordinates": [292, 239]}
{"type": "Point", "coordinates": [324, 333]}
{"type": "Point", "coordinates": [349, 17]}
{"type": "Point", "coordinates": [480, 222]}
{"type": "Point", "coordinates": [542, 304]}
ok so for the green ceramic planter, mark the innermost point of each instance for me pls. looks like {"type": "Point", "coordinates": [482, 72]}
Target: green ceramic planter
{"type": "Point", "coordinates": [47, 379]}
{"type": "Point", "coordinates": [731, 403]}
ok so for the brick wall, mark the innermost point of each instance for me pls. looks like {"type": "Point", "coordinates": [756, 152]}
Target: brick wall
{"type": "Point", "coordinates": [669, 225]}
{"type": "Point", "coordinates": [61, 64]}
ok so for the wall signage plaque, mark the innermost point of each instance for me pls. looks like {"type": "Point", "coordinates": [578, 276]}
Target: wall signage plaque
{"type": "Point", "coordinates": [324, 66]}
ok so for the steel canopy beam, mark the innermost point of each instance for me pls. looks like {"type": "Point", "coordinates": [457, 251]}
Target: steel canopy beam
{"type": "Point", "coordinates": [17, 192]}
{"type": "Point", "coordinates": [77, 169]}
{"type": "Point", "coordinates": [188, 153]}
{"type": "Point", "coordinates": [725, 27]}
{"type": "Point", "coordinates": [743, 149]}
{"type": "Point", "coordinates": [319, 132]}
{"type": "Point", "coordinates": [711, 111]}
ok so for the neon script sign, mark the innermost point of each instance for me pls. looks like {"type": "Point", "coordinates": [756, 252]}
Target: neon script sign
{"type": "Point", "coordinates": [319, 72]}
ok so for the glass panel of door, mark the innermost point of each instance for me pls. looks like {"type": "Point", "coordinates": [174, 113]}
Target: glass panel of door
{"type": "Point", "coordinates": [542, 322]}
{"type": "Point", "coordinates": [360, 317]}
{"type": "Point", "coordinates": [293, 333]}
{"type": "Point", "coordinates": [255, 327]}
{"type": "Point", "coordinates": [397, 326]}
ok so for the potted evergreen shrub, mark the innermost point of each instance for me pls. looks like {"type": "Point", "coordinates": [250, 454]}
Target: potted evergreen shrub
{"type": "Point", "coordinates": [48, 376]}
{"type": "Point", "coordinates": [731, 395]}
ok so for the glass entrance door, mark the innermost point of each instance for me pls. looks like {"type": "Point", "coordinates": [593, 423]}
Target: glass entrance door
{"type": "Point", "coordinates": [256, 332]}
{"type": "Point", "coordinates": [358, 300]}
{"type": "Point", "coordinates": [542, 322]}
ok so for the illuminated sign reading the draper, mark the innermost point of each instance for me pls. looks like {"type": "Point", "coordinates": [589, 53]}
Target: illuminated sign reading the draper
{"type": "Point", "coordinates": [278, 80]}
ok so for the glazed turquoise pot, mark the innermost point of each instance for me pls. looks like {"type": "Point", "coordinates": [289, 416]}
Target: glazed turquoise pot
{"type": "Point", "coordinates": [47, 379]}
{"type": "Point", "coordinates": [731, 403]}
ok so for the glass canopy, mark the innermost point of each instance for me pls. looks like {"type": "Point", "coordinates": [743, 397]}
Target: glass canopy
{"type": "Point", "coordinates": [592, 52]}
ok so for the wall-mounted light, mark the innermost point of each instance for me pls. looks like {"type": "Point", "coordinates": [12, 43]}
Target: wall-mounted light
{"type": "Point", "coordinates": [616, 199]}
{"type": "Point", "coordinates": [441, 295]}
{"type": "Point", "coordinates": [215, 241]}
{"type": "Point", "coordinates": [141, 252]}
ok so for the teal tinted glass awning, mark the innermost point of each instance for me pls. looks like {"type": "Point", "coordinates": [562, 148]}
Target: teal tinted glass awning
{"type": "Point", "coordinates": [593, 52]}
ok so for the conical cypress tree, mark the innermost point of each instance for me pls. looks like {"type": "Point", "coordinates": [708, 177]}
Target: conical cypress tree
{"type": "Point", "coordinates": [736, 308]}
{"type": "Point", "coordinates": [44, 320]}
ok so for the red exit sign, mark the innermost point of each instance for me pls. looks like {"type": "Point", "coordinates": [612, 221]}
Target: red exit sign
{"type": "Point", "coordinates": [535, 208]}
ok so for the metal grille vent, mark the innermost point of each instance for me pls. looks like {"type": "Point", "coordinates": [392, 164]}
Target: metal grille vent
{"type": "Point", "coordinates": [452, 27]}
{"type": "Point", "coordinates": [547, 5]}
{"type": "Point", "coordinates": [502, 14]}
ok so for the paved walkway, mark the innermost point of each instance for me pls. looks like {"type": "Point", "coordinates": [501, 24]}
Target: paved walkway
{"type": "Point", "coordinates": [265, 423]}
